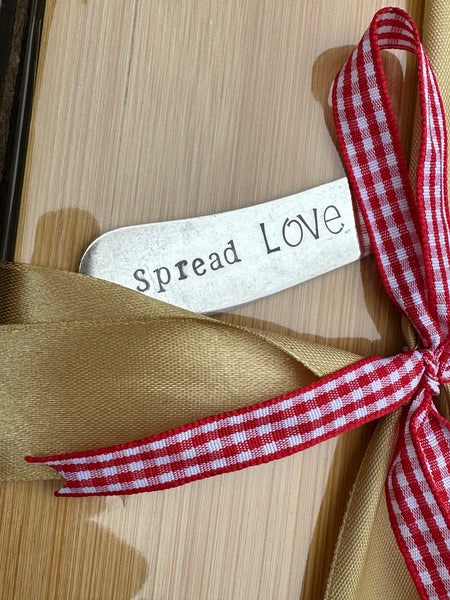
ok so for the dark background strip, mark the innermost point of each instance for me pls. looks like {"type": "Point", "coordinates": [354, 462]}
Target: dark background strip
{"type": "Point", "coordinates": [20, 30]}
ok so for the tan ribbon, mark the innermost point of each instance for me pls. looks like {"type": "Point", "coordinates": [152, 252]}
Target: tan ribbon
{"type": "Point", "coordinates": [86, 363]}
{"type": "Point", "coordinates": [367, 562]}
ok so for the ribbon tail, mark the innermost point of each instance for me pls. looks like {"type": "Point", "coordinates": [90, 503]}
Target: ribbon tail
{"type": "Point", "coordinates": [249, 436]}
{"type": "Point", "coordinates": [418, 497]}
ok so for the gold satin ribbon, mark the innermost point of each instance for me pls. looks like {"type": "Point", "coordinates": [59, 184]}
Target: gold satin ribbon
{"type": "Point", "coordinates": [86, 363]}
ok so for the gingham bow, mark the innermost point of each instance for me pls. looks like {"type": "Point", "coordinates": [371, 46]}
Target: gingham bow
{"type": "Point", "coordinates": [411, 241]}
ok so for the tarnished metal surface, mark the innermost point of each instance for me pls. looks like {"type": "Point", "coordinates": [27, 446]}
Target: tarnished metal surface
{"type": "Point", "coordinates": [215, 262]}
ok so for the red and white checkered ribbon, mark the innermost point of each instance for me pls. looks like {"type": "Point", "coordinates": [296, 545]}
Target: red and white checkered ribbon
{"type": "Point", "coordinates": [410, 238]}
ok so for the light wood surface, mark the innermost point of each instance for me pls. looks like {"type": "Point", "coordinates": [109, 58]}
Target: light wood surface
{"type": "Point", "coordinates": [151, 110]}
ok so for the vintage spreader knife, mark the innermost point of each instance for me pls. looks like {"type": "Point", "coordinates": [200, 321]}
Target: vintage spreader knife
{"type": "Point", "coordinates": [211, 263]}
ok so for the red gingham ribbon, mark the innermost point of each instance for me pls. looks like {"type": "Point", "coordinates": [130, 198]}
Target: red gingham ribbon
{"type": "Point", "coordinates": [410, 238]}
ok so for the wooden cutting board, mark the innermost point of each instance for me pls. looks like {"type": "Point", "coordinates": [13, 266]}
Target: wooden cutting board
{"type": "Point", "coordinates": [153, 110]}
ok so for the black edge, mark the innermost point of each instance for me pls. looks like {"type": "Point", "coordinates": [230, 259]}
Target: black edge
{"type": "Point", "coordinates": [15, 166]}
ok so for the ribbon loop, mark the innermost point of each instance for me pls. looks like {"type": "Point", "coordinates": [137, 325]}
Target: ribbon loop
{"type": "Point", "coordinates": [378, 173]}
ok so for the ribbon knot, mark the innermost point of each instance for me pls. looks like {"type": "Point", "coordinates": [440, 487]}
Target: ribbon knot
{"type": "Point", "coordinates": [410, 237]}
{"type": "Point", "coordinates": [431, 379]}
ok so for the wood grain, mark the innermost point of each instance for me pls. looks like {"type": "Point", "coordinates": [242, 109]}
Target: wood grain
{"type": "Point", "coordinates": [157, 110]}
